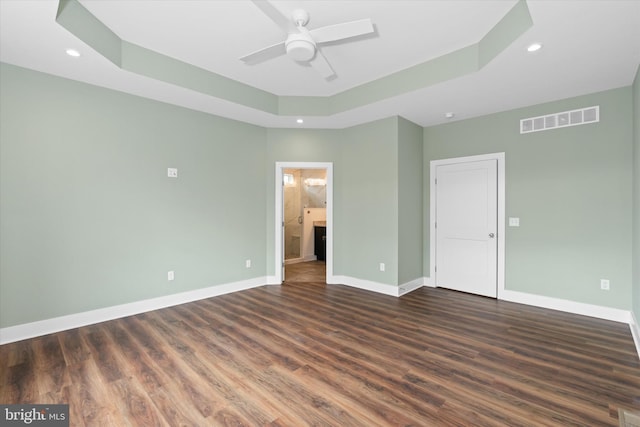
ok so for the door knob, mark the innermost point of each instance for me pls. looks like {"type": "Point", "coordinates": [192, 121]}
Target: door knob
{"type": "Point", "coordinates": [492, 235]}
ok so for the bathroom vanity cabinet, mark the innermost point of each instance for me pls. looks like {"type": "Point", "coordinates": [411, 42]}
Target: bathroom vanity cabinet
{"type": "Point", "coordinates": [320, 239]}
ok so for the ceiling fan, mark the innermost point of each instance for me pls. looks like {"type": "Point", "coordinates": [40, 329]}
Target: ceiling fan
{"type": "Point", "coordinates": [301, 44]}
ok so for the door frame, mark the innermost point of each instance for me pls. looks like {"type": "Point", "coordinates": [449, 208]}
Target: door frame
{"type": "Point", "coordinates": [500, 158]}
{"type": "Point", "coordinates": [279, 215]}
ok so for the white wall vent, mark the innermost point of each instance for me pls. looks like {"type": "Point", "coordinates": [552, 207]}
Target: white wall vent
{"type": "Point", "coordinates": [582, 116]}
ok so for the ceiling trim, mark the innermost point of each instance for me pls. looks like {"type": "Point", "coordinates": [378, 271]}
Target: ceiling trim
{"type": "Point", "coordinates": [130, 57]}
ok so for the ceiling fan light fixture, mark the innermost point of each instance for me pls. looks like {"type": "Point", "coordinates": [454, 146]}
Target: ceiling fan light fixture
{"type": "Point", "coordinates": [302, 44]}
{"type": "Point", "coordinates": [300, 48]}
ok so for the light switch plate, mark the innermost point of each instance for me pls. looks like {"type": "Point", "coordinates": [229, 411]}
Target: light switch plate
{"type": "Point", "coordinates": [172, 172]}
{"type": "Point", "coordinates": [514, 222]}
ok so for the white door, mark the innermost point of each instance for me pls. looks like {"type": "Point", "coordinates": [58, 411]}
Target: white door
{"type": "Point", "coordinates": [466, 227]}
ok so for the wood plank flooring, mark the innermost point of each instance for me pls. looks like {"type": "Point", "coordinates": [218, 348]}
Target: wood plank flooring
{"type": "Point", "coordinates": [311, 271]}
{"type": "Point", "coordinates": [327, 355]}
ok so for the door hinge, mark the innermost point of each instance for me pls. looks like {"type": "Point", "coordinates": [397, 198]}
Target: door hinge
{"type": "Point", "coordinates": [436, 181]}
{"type": "Point", "coordinates": [435, 224]}
{"type": "Point", "coordinates": [435, 268]}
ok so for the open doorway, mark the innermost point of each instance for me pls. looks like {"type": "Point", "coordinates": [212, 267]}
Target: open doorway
{"type": "Point", "coordinates": [305, 204]}
{"type": "Point", "coordinates": [304, 220]}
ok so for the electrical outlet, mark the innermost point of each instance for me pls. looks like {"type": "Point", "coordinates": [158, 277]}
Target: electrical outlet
{"type": "Point", "coordinates": [170, 275]}
{"type": "Point", "coordinates": [604, 284]}
{"type": "Point", "coordinates": [172, 172]}
{"type": "Point", "coordinates": [382, 266]}
{"type": "Point", "coordinates": [247, 263]}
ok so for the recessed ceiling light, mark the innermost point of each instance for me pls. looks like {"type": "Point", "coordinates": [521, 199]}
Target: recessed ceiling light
{"type": "Point", "coordinates": [534, 47]}
{"type": "Point", "coordinates": [450, 115]}
{"type": "Point", "coordinates": [73, 52]}
{"type": "Point", "coordinates": [300, 121]}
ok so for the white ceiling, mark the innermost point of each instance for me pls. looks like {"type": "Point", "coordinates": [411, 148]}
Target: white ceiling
{"type": "Point", "coordinates": [589, 46]}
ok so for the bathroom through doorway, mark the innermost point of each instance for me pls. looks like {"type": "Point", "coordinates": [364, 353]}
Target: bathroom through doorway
{"type": "Point", "coordinates": [303, 216]}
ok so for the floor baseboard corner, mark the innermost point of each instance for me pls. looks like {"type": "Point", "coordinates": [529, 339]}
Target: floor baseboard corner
{"type": "Point", "coordinates": [410, 286]}
{"type": "Point", "coordinates": [635, 331]}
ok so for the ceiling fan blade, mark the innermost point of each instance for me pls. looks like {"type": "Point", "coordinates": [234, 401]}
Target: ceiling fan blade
{"type": "Point", "coordinates": [265, 54]}
{"type": "Point", "coordinates": [342, 31]}
{"type": "Point", "coordinates": [276, 16]}
{"type": "Point", "coordinates": [321, 65]}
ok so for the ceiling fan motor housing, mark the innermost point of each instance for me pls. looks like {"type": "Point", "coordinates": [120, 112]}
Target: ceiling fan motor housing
{"type": "Point", "coordinates": [300, 17]}
{"type": "Point", "coordinates": [300, 47]}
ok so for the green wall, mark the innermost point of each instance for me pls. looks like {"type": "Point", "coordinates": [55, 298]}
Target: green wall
{"type": "Point", "coordinates": [571, 189]}
{"type": "Point", "coordinates": [369, 201]}
{"type": "Point", "coordinates": [636, 196]}
{"type": "Point", "coordinates": [296, 145]}
{"type": "Point", "coordinates": [410, 190]}
{"type": "Point", "coordinates": [88, 217]}
{"type": "Point", "coordinates": [377, 171]}
{"type": "Point", "coordinates": [365, 193]}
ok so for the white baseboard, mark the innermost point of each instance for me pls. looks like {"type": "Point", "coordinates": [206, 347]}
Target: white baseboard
{"type": "Point", "coordinates": [368, 285]}
{"type": "Point", "coordinates": [381, 288]}
{"type": "Point", "coordinates": [635, 331]}
{"type": "Point", "coordinates": [271, 280]}
{"type": "Point", "coordinates": [426, 281]}
{"type": "Point", "coordinates": [57, 324]}
{"type": "Point", "coordinates": [411, 286]}
{"type": "Point", "coordinates": [600, 312]}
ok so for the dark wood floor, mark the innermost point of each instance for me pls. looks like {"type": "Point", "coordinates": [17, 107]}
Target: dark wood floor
{"type": "Point", "coordinates": [311, 271]}
{"type": "Point", "coordinates": [312, 354]}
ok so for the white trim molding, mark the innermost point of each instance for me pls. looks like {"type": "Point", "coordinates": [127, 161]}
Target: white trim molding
{"type": "Point", "coordinates": [410, 286]}
{"type": "Point", "coordinates": [591, 310]}
{"type": "Point", "coordinates": [71, 321]}
{"type": "Point", "coordinates": [635, 331]}
{"type": "Point", "coordinates": [368, 285]}
{"type": "Point", "coordinates": [381, 288]}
